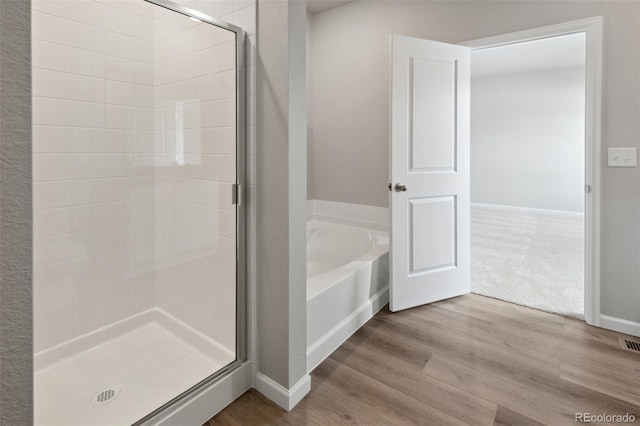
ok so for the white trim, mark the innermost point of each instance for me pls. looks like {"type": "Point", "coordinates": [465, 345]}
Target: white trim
{"type": "Point", "coordinates": [349, 211]}
{"type": "Point", "coordinates": [620, 325]}
{"type": "Point", "coordinates": [324, 346]}
{"type": "Point", "coordinates": [350, 222]}
{"type": "Point", "coordinates": [592, 27]}
{"type": "Point", "coordinates": [526, 209]}
{"type": "Point", "coordinates": [285, 398]}
{"type": "Point", "coordinates": [209, 401]}
{"type": "Point", "coordinates": [582, 25]}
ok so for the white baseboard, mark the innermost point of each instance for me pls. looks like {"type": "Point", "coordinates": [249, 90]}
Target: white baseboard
{"type": "Point", "coordinates": [527, 209]}
{"type": "Point", "coordinates": [620, 325]}
{"type": "Point", "coordinates": [207, 402]}
{"type": "Point", "coordinates": [335, 337]}
{"type": "Point", "coordinates": [285, 398]}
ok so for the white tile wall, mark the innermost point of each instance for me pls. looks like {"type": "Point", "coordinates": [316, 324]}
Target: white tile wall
{"type": "Point", "coordinates": [127, 217]}
{"type": "Point", "coordinates": [368, 216]}
{"type": "Point", "coordinates": [91, 226]}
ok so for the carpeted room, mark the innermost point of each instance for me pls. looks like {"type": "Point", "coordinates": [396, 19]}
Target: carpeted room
{"type": "Point", "coordinates": [528, 174]}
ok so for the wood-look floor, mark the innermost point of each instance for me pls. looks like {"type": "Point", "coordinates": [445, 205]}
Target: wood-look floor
{"type": "Point", "coordinates": [471, 360]}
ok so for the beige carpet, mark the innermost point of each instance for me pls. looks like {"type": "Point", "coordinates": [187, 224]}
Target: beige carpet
{"type": "Point", "coordinates": [532, 258]}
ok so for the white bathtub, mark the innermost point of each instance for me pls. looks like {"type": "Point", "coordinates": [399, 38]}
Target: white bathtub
{"type": "Point", "coordinates": [347, 283]}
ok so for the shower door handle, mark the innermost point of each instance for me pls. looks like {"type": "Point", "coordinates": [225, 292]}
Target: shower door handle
{"type": "Point", "coordinates": [400, 187]}
{"type": "Point", "coordinates": [236, 194]}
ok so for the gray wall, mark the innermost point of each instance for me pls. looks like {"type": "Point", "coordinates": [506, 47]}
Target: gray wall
{"type": "Point", "coordinates": [281, 191]}
{"type": "Point", "coordinates": [350, 105]}
{"type": "Point", "coordinates": [527, 139]}
{"type": "Point", "coordinates": [16, 254]}
{"type": "Point", "coordinates": [309, 88]}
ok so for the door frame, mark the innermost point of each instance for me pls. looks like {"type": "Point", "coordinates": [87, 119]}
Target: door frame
{"type": "Point", "coordinates": [592, 27]}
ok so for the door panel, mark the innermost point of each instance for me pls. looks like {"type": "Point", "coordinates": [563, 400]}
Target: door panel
{"type": "Point", "coordinates": [430, 164]}
{"type": "Point", "coordinates": [432, 102]}
{"type": "Point", "coordinates": [432, 218]}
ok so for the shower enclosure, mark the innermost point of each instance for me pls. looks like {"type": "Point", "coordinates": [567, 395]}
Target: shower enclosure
{"type": "Point", "coordinates": [138, 161]}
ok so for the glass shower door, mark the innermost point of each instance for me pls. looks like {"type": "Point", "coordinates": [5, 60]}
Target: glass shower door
{"type": "Point", "coordinates": [137, 138]}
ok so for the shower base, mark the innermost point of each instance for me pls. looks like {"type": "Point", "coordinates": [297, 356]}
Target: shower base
{"type": "Point", "coordinates": [121, 373]}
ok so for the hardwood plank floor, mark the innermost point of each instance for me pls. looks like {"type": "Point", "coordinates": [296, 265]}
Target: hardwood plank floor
{"type": "Point", "coordinates": [470, 360]}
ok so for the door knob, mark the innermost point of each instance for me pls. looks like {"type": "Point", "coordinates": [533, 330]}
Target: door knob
{"type": "Point", "coordinates": [400, 187]}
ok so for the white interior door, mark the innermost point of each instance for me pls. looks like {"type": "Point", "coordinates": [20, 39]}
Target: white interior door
{"type": "Point", "coordinates": [429, 190]}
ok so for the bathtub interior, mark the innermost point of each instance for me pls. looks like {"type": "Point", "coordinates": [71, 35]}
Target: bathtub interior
{"type": "Point", "coordinates": [330, 247]}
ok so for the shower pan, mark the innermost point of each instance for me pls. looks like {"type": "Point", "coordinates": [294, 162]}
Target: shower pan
{"type": "Point", "coordinates": [139, 228]}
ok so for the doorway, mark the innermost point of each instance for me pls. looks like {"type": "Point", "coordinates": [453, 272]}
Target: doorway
{"type": "Point", "coordinates": [527, 173]}
{"type": "Point", "coordinates": [442, 111]}
{"type": "Point", "coordinates": [592, 30]}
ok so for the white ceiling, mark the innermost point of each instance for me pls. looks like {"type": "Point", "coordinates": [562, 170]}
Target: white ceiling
{"type": "Point", "coordinates": [315, 6]}
{"type": "Point", "coordinates": [549, 53]}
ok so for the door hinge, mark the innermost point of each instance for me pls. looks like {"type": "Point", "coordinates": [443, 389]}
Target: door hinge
{"type": "Point", "coordinates": [587, 188]}
{"type": "Point", "coordinates": [236, 194]}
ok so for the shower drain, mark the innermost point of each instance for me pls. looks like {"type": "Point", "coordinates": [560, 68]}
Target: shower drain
{"type": "Point", "coordinates": [105, 396]}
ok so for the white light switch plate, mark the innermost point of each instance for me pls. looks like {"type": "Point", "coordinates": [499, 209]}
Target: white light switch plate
{"type": "Point", "coordinates": [622, 157]}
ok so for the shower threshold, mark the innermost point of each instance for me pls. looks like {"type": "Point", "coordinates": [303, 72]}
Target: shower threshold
{"type": "Point", "coordinates": [130, 368]}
